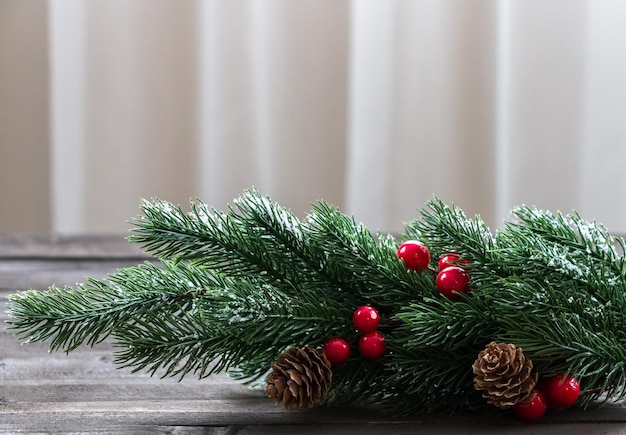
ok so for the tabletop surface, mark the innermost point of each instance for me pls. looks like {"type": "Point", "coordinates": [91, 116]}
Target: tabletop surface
{"type": "Point", "coordinates": [83, 392]}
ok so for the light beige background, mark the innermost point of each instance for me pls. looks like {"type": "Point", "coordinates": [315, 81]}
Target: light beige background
{"type": "Point", "coordinates": [374, 106]}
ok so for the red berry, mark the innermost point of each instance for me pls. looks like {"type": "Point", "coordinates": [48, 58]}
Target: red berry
{"type": "Point", "coordinates": [452, 279]}
{"type": "Point", "coordinates": [366, 319]}
{"type": "Point", "coordinates": [372, 345]}
{"type": "Point", "coordinates": [450, 259]}
{"type": "Point", "coordinates": [415, 255]}
{"type": "Point", "coordinates": [533, 408]}
{"type": "Point", "coordinates": [561, 390]}
{"type": "Point", "coordinates": [337, 350]}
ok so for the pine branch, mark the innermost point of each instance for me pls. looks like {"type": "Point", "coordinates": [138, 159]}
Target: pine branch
{"type": "Point", "coordinates": [437, 381]}
{"type": "Point", "coordinates": [228, 243]}
{"type": "Point", "coordinates": [358, 383]}
{"type": "Point", "coordinates": [439, 324]}
{"type": "Point", "coordinates": [359, 261]}
{"type": "Point", "coordinates": [330, 253]}
{"type": "Point", "coordinates": [178, 318]}
{"type": "Point", "coordinates": [91, 311]}
{"type": "Point", "coordinates": [218, 333]}
{"type": "Point", "coordinates": [237, 288]}
{"type": "Point", "coordinates": [557, 246]}
{"type": "Point", "coordinates": [447, 229]}
{"type": "Point", "coordinates": [256, 240]}
{"type": "Point", "coordinates": [573, 231]}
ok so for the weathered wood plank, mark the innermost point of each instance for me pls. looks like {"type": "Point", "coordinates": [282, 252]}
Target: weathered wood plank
{"type": "Point", "coordinates": [41, 274]}
{"type": "Point", "coordinates": [63, 427]}
{"type": "Point", "coordinates": [252, 417]}
{"type": "Point", "coordinates": [54, 246]}
{"type": "Point", "coordinates": [39, 261]}
{"type": "Point", "coordinates": [56, 427]}
{"type": "Point", "coordinates": [438, 428]}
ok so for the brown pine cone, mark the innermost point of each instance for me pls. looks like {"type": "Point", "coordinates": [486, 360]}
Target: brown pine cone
{"type": "Point", "coordinates": [503, 374]}
{"type": "Point", "coordinates": [300, 378]}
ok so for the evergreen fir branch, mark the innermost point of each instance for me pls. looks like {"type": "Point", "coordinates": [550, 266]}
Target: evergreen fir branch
{"type": "Point", "coordinates": [178, 318]}
{"type": "Point", "coordinates": [361, 262]}
{"type": "Point", "coordinates": [568, 254]}
{"type": "Point", "coordinates": [590, 242]}
{"type": "Point", "coordinates": [224, 242]}
{"type": "Point", "coordinates": [62, 315]}
{"type": "Point", "coordinates": [164, 341]}
{"type": "Point", "coordinates": [237, 288]}
{"type": "Point", "coordinates": [437, 381]}
{"type": "Point", "coordinates": [91, 311]}
{"type": "Point", "coordinates": [446, 229]}
{"type": "Point", "coordinates": [261, 239]}
{"type": "Point", "coordinates": [358, 383]}
{"type": "Point", "coordinates": [217, 334]}
{"type": "Point", "coordinates": [571, 230]}
{"type": "Point", "coordinates": [257, 240]}
{"type": "Point", "coordinates": [435, 345]}
{"type": "Point", "coordinates": [445, 325]}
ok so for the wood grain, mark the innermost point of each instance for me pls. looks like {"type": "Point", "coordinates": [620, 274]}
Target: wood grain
{"type": "Point", "coordinates": [84, 392]}
{"type": "Point", "coordinates": [52, 246]}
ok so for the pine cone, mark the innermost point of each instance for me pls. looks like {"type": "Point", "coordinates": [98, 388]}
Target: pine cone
{"type": "Point", "coordinates": [503, 374]}
{"type": "Point", "coordinates": [300, 378]}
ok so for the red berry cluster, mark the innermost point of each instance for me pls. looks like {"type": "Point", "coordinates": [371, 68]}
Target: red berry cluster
{"type": "Point", "coordinates": [556, 392]}
{"type": "Point", "coordinates": [452, 278]}
{"type": "Point", "coordinates": [372, 343]}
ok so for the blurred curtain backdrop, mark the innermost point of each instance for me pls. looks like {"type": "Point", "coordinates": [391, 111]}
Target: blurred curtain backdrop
{"type": "Point", "coordinates": [373, 106]}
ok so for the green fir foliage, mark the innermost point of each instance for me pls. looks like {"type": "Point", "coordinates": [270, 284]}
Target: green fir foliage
{"type": "Point", "coordinates": [229, 291]}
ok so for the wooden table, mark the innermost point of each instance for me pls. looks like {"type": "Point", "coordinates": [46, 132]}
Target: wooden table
{"type": "Point", "coordinates": [84, 393]}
